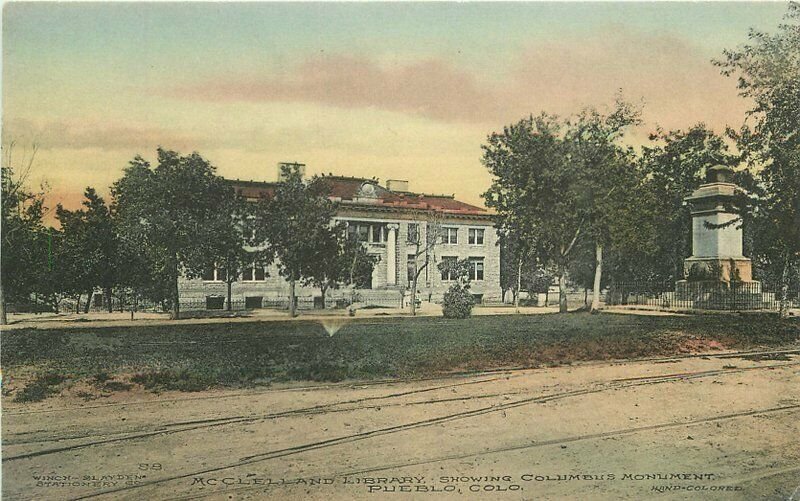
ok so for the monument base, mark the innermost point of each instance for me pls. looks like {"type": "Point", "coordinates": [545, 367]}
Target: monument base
{"type": "Point", "coordinates": [718, 269]}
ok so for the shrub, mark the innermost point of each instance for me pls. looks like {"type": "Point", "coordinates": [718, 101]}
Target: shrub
{"type": "Point", "coordinates": [41, 388]}
{"type": "Point", "coordinates": [458, 302]}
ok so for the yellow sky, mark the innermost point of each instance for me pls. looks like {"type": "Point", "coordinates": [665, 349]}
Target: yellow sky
{"type": "Point", "coordinates": [388, 91]}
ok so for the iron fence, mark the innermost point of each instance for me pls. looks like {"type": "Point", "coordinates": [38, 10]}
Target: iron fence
{"type": "Point", "coordinates": [719, 296]}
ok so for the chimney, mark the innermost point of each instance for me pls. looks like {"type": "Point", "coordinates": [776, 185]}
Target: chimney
{"type": "Point", "coordinates": [292, 165]}
{"type": "Point", "coordinates": [399, 185]}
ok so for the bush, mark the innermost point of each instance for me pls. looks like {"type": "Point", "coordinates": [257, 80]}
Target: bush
{"type": "Point", "coordinates": [41, 388]}
{"type": "Point", "coordinates": [458, 302]}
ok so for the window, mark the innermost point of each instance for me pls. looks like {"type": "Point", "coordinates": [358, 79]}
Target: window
{"type": "Point", "coordinates": [253, 302]}
{"type": "Point", "coordinates": [260, 273]}
{"type": "Point", "coordinates": [367, 232]}
{"type": "Point", "coordinates": [254, 273]}
{"type": "Point", "coordinates": [379, 233]}
{"type": "Point", "coordinates": [247, 274]}
{"type": "Point", "coordinates": [447, 273]}
{"type": "Point", "coordinates": [476, 236]}
{"type": "Point", "coordinates": [412, 268]}
{"type": "Point", "coordinates": [215, 274]}
{"type": "Point", "coordinates": [362, 231]}
{"type": "Point", "coordinates": [413, 233]}
{"type": "Point", "coordinates": [449, 235]}
{"type": "Point", "coordinates": [215, 302]}
{"type": "Point", "coordinates": [476, 268]}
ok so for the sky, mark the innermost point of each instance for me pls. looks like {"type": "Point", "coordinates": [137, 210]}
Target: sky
{"type": "Point", "coordinates": [387, 90]}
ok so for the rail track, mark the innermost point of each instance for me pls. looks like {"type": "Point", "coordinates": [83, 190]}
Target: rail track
{"type": "Point", "coordinates": [369, 402]}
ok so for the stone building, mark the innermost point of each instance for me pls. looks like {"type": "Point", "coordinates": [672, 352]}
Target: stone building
{"type": "Point", "coordinates": [393, 223]}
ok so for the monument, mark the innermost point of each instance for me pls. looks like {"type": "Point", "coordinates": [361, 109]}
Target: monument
{"type": "Point", "coordinates": [716, 249]}
{"type": "Point", "coordinates": [717, 275]}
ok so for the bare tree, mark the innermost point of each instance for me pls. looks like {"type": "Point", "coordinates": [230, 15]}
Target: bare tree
{"type": "Point", "coordinates": [423, 244]}
{"type": "Point", "coordinates": [22, 229]}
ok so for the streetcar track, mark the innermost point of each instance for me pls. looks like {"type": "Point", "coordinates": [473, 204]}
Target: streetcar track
{"type": "Point", "coordinates": [576, 438]}
{"type": "Point", "coordinates": [316, 409]}
{"type": "Point", "coordinates": [322, 409]}
{"type": "Point", "coordinates": [407, 426]}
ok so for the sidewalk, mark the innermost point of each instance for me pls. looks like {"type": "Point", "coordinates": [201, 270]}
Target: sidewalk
{"type": "Point", "coordinates": [122, 319]}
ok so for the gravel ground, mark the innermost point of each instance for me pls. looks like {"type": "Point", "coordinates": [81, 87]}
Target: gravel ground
{"type": "Point", "coordinates": [721, 426]}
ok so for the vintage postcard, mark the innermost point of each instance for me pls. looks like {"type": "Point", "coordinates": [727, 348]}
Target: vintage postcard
{"type": "Point", "coordinates": [439, 250]}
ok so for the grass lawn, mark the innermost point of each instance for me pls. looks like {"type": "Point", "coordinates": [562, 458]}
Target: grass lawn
{"type": "Point", "coordinates": [193, 357]}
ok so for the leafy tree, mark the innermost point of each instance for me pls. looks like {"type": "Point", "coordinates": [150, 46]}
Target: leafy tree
{"type": "Point", "coordinates": [89, 248]}
{"type": "Point", "coordinates": [340, 261]}
{"type": "Point", "coordinates": [520, 270]}
{"type": "Point", "coordinates": [553, 180]}
{"type": "Point", "coordinates": [605, 174]}
{"type": "Point", "coordinates": [295, 225]}
{"type": "Point", "coordinates": [538, 280]}
{"type": "Point", "coordinates": [167, 214]}
{"type": "Point", "coordinates": [457, 301]}
{"type": "Point", "coordinates": [140, 276]}
{"type": "Point", "coordinates": [511, 265]}
{"type": "Point", "coordinates": [767, 69]}
{"type": "Point", "coordinates": [230, 236]}
{"type": "Point", "coordinates": [533, 190]}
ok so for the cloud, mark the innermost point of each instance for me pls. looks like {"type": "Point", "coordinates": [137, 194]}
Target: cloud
{"type": "Point", "coordinates": [675, 79]}
{"type": "Point", "coordinates": [93, 134]}
{"type": "Point", "coordinates": [430, 88]}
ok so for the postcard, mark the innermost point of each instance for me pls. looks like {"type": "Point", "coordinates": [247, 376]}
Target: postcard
{"type": "Point", "coordinates": [438, 250]}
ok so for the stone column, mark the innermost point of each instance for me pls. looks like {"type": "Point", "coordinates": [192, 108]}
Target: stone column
{"type": "Point", "coordinates": [391, 254]}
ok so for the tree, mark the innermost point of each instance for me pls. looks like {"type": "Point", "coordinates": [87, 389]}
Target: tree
{"type": "Point", "coordinates": [295, 225]}
{"type": "Point", "coordinates": [605, 172]}
{"type": "Point", "coordinates": [533, 190]}
{"type": "Point", "coordinates": [552, 182]}
{"type": "Point", "coordinates": [768, 73]}
{"type": "Point", "coordinates": [25, 251]}
{"type": "Point", "coordinates": [231, 242]}
{"type": "Point", "coordinates": [167, 214]}
{"type": "Point", "coordinates": [423, 237]}
{"type": "Point", "coordinates": [510, 269]}
{"type": "Point", "coordinates": [518, 267]}
{"type": "Point", "coordinates": [89, 244]}
{"type": "Point", "coordinates": [340, 261]}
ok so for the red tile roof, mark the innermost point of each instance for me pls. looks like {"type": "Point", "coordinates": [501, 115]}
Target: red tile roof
{"type": "Point", "coordinates": [349, 191]}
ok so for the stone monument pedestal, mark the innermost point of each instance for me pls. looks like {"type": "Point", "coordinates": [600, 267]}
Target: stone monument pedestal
{"type": "Point", "coordinates": [724, 269]}
{"type": "Point", "coordinates": [718, 276]}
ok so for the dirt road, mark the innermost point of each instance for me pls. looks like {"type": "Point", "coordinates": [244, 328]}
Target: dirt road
{"type": "Point", "coordinates": [715, 427]}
